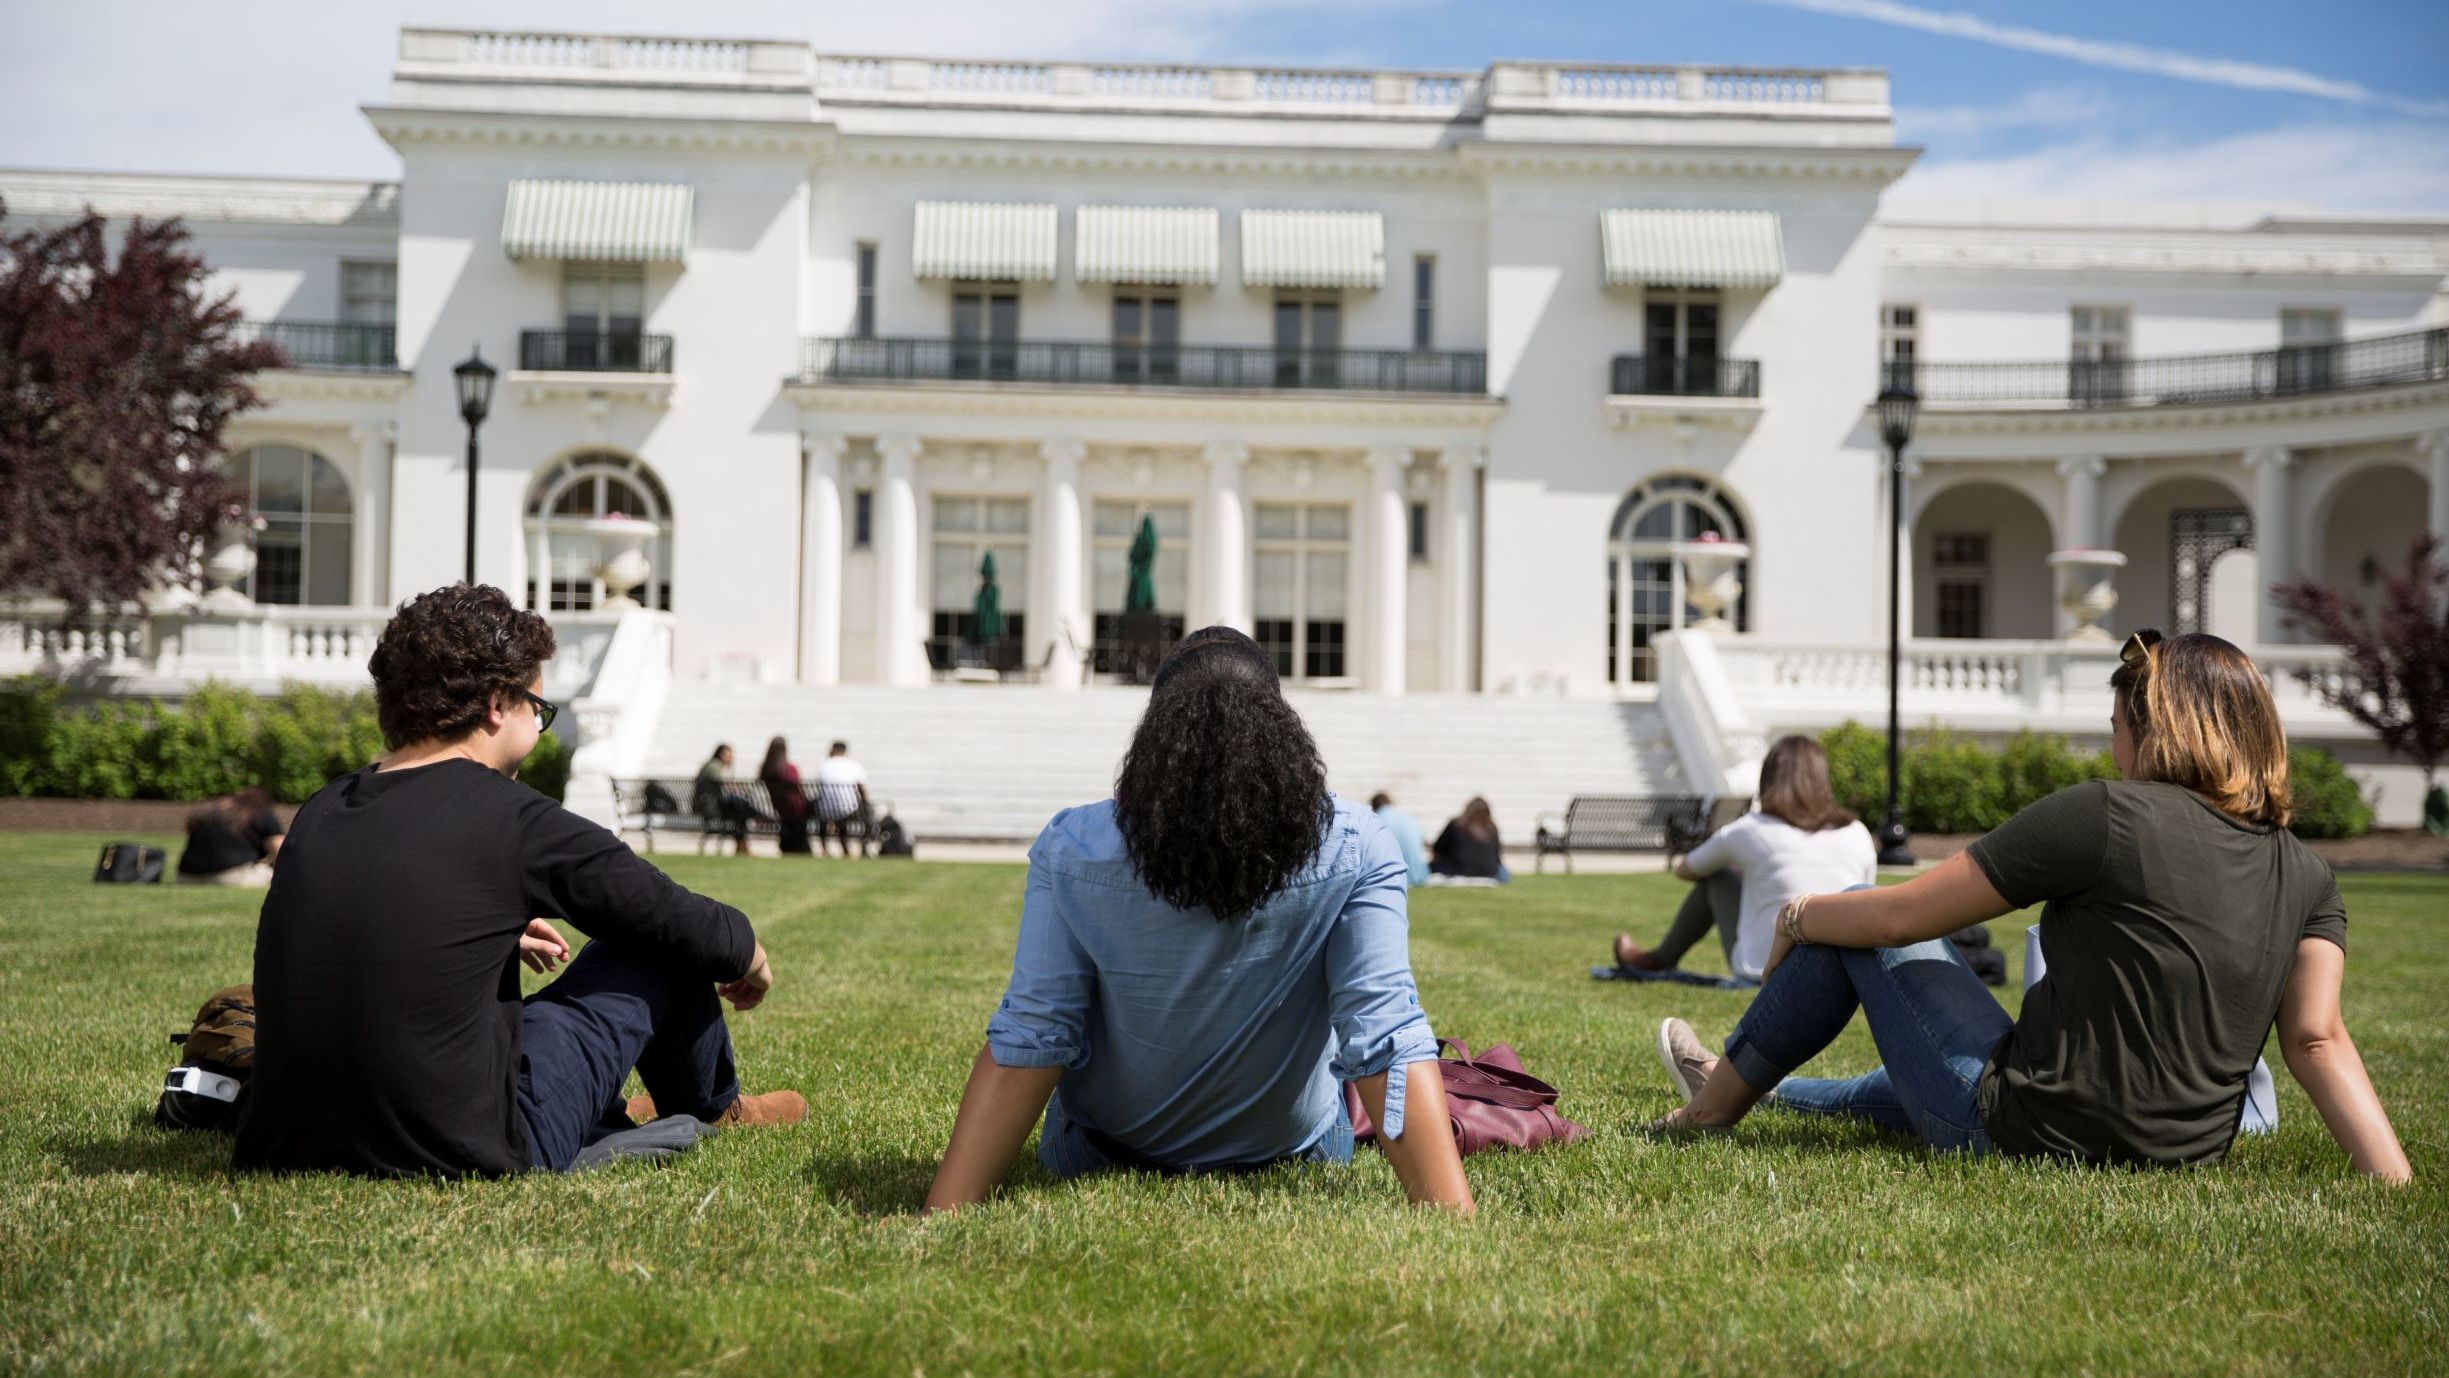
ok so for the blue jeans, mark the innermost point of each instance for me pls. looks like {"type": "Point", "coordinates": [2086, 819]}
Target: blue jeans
{"type": "Point", "coordinates": [1935, 1025]}
{"type": "Point", "coordinates": [1071, 1148]}
{"type": "Point", "coordinates": [615, 1007]}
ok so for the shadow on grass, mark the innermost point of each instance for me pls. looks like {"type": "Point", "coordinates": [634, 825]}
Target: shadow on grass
{"type": "Point", "coordinates": [148, 1149]}
{"type": "Point", "coordinates": [873, 1184]}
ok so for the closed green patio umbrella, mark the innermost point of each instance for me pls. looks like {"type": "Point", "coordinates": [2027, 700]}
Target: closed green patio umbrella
{"type": "Point", "coordinates": [987, 612]}
{"type": "Point", "coordinates": [1140, 594]}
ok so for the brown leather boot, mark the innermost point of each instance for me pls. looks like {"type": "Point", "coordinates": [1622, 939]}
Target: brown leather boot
{"type": "Point", "coordinates": [1633, 955]}
{"type": "Point", "coordinates": [774, 1107]}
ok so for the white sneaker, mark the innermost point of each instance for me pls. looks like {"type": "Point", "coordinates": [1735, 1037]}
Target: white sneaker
{"type": "Point", "coordinates": [1685, 1057]}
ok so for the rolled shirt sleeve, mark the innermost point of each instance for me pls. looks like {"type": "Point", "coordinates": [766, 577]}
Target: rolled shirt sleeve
{"type": "Point", "coordinates": [1043, 1020]}
{"type": "Point", "coordinates": [1373, 1006]}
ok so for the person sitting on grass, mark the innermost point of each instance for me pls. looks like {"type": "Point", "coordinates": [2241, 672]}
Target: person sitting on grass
{"type": "Point", "coordinates": [1205, 959]}
{"type": "Point", "coordinates": [390, 1038]}
{"type": "Point", "coordinates": [233, 840]}
{"type": "Point", "coordinates": [2180, 919]}
{"type": "Point", "coordinates": [1797, 842]}
{"type": "Point", "coordinates": [1468, 848]}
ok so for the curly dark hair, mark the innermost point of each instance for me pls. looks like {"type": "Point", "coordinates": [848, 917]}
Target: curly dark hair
{"type": "Point", "coordinates": [445, 654]}
{"type": "Point", "coordinates": [1222, 798]}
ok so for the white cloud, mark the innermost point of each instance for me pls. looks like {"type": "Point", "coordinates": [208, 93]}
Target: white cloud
{"type": "Point", "coordinates": [2043, 107]}
{"type": "Point", "coordinates": [2126, 57]}
{"type": "Point", "coordinates": [2387, 168]}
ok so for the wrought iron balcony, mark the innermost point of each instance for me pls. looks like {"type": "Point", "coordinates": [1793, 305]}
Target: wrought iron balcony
{"type": "Point", "coordinates": [326, 346]}
{"type": "Point", "coordinates": [594, 351]}
{"type": "Point", "coordinates": [1639, 375]}
{"type": "Point", "coordinates": [1102, 364]}
{"type": "Point", "coordinates": [2184, 380]}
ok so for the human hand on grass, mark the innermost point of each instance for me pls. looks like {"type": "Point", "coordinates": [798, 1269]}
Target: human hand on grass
{"type": "Point", "coordinates": [749, 991]}
{"type": "Point", "coordinates": [542, 947]}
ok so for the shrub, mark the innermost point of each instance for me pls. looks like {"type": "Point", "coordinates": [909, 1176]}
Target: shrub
{"type": "Point", "coordinates": [29, 708]}
{"type": "Point", "coordinates": [547, 768]}
{"type": "Point", "coordinates": [217, 740]}
{"type": "Point", "coordinates": [2035, 765]}
{"type": "Point", "coordinates": [1951, 784]}
{"type": "Point", "coordinates": [2328, 801]}
{"type": "Point", "coordinates": [1858, 770]}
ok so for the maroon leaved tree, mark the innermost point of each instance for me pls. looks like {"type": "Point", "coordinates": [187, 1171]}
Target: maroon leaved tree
{"type": "Point", "coordinates": [2397, 649]}
{"type": "Point", "coordinates": [117, 377]}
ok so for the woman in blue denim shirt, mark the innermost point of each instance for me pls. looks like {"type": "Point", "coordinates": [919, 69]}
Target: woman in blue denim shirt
{"type": "Point", "coordinates": [1205, 960]}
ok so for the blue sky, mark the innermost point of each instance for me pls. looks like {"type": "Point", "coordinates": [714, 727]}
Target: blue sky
{"type": "Point", "coordinates": [2338, 104]}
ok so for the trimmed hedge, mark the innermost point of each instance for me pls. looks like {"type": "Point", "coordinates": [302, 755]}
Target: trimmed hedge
{"type": "Point", "coordinates": [217, 740]}
{"type": "Point", "coordinates": [1952, 784]}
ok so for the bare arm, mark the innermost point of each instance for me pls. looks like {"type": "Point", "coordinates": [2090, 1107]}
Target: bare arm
{"type": "Point", "coordinates": [1948, 896]}
{"type": "Point", "coordinates": [997, 1111]}
{"type": "Point", "coordinates": [2313, 1039]}
{"type": "Point", "coordinates": [1425, 1158]}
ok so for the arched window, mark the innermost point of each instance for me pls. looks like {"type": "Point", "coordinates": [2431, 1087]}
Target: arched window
{"type": "Point", "coordinates": [1645, 580]}
{"type": "Point", "coordinates": [561, 554]}
{"type": "Point", "coordinates": [303, 553]}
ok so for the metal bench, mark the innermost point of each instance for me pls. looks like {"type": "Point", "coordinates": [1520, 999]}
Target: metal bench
{"type": "Point", "coordinates": [1669, 823]}
{"type": "Point", "coordinates": [664, 804]}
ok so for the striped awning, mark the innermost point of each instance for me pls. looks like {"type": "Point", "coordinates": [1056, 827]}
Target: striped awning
{"type": "Point", "coordinates": [1313, 249]}
{"type": "Point", "coordinates": [983, 241]}
{"type": "Point", "coordinates": [1145, 244]}
{"type": "Point", "coordinates": [598, 222]}
{"type": "Point", "coordinates": [1739, 249]}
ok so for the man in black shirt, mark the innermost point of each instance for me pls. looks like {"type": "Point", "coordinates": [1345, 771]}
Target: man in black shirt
{"type": "Point", "coordinates": [390, 1036]}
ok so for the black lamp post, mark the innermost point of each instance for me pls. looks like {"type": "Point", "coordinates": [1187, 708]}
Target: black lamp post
{"type": "Point", "coordinates": [1897, 405]}
{"type": "Point", "coordinates": [475, 399]}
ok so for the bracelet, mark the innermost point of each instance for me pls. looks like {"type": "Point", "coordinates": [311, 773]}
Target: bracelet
{"type": "Point", "coordinates": [1790, 920]}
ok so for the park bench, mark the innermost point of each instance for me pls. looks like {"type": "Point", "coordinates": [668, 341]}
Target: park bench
{"type": "Point", "coordinates": [1669, 823]}
{"type": "Point", "coordinates": [662, 804]}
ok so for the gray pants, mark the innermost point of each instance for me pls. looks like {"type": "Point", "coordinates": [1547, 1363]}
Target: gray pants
{"type": "Point", "coordinates": [1716, 902]}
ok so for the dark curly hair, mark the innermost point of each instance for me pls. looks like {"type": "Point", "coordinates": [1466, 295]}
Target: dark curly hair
{"type": "Point", "coordinates": [445, 654]}
{"type": "Point", "coordinates": [1222, 798]}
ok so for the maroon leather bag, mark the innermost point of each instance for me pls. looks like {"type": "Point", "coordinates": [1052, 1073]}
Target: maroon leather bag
{"type": "Point", "coordinates": [1491, 1100]}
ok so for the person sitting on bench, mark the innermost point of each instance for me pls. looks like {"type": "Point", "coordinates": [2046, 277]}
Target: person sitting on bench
{"type": "Point", "coordinates": [390, 1038]}
{"type": "Point", "coordinates": [1798, 843]}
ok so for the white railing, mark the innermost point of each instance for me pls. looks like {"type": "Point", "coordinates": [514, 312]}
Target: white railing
{"type": "Point", "coordinates": [1152, 83]}
{"type": "Point", "coordinates": [259, 646]}
{"type": "Point", "coordinates": [535, 54]}
{"type": "Point", "coordinates": [1785, 91]}
{"type": "Point", "coordinates": [1716, 741]}
{"type": "Point", "coordinates": [615, 719]}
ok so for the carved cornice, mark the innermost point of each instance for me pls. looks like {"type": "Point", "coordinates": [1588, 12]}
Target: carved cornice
{"type": "Point", "coordinates": [1878, 166]}
{"type": "Point", "coordinates": [1976, 250]}
{"type": "Point", "coordinates": [537, 385]}
{"type": "Point", "coordinates": [1956, 418]}
{"type": "Point", "coordinates": [277, 385]}
{"type": "Point", "coordinates": [1152, 160]}
{"type": "Point", "coordinates": [404, 127]}
{"type": "Point", "coordinates": [236, 200]}
{"type": "Point", "coordinates": [1148, 404]}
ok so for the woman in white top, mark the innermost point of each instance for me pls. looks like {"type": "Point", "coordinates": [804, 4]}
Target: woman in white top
{"type": "Point", "coordinates": [1797, 843]}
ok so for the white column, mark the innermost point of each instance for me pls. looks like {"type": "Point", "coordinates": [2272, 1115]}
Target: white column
{"type": "Point", "coordinates": [1057, 541]}
{"type": "Point", "coordinates": [2080, 528]}
{"type": "Point", "coordinates": [820, 594]}
{"type": "Point", "coordinates": [2275, 561]}
{"type": "Point", "coordinates": [1388, 551]}
{"type": "Point", "coordinates": [369, 581]}
{"type": "Point", "coordinates": [901, 658]}
{"type": "Point", "coordinates": [2435, 447]}
{"type": "Point", "coordinates": [1457, 575]}
{"type": "Point", "coordinates": [1227, 537]}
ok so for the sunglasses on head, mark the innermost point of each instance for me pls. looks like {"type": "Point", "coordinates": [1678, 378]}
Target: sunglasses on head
{"type": "Point", "coordinates": [2138, 647]}
{"type": "Point", "coordinates": [546, 711]}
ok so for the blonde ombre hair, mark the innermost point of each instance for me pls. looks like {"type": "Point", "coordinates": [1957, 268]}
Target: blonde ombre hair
{"type": "Point", "coordinates": [2201, 716]}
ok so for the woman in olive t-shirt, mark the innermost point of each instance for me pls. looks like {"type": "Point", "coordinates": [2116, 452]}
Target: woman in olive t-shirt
{"type": "Point", "coordinates": [2180, 919]}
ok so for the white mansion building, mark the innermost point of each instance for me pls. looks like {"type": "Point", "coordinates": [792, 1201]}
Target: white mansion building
{"type": "Point", "coordinates": [1466, 391]}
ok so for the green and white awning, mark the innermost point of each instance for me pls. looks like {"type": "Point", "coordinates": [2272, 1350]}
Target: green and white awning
{"type": "Point", "coordinates": [1737, 249]}
{"type": "Point", "coordinates": [1313, 249]}
{"type": "Point", "coordinates": [598, 222]}
{"type": "Point", "coordinates": [1160, 246]}
{"type": "Point", "coordinates": [983, 241]}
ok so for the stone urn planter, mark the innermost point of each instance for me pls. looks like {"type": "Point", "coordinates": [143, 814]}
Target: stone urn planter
{"type": "Point", "coordinates": [2087, 591]}
{"type": "Point", "coordinates": [231, 560]}
{"type": "Point", "coordinates": [620, 558]}
{"type": "Point", "coordinates": [1713, 580]}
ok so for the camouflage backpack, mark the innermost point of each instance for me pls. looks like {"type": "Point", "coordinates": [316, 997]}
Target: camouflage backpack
{"type": "Point", "coordinates": [205, 1090]}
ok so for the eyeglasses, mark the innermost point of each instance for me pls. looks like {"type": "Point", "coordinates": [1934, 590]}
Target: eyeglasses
{"type": "Point", "coordinates": [546, 711]}
{"type": "Point", "coordinates": [2137, 650]}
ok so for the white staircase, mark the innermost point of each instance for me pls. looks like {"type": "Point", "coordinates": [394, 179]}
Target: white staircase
{"type": "Point", "coordinates": [994, 762]}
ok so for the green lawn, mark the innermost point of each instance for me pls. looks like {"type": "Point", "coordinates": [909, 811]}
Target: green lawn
{"type": "Point", "coordinates": [1797, 1247]}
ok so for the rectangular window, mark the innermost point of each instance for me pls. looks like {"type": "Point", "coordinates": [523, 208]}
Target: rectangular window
{"type": "Point", "coordinates": [1419, 530]}
{"type": "Point", "coordinates": [603, 307]}
{"type": "Point", "coordinates": [966, 532]}
{"type": "Point", "coordinates": [1300, 561]}
{"type": "Point", "coordinates": [1679, 343]}
{"type": "Point", "coordinates": [1960, 568]}
{"type": "Point", "coordinates": [2308, 348]}
{"type": "Point", "coordinates": [1309, 340]}
{"type": "Point", "coordinates": [1424, 301]}
{"type": "Point", "coordinates": [862, 518]}
{"type": "Point", "coordinates": [863, 324]}
{"type": "Point", "coordinates": [985, 331]}
{"type": "Point", "coordinates": [1147, 337]}
{"type": "Point", "coordinates": [1900, 341]}
{"type": "Point", "coordinates": [2097, 370]}
{"type": "Point", "coordinates": [369, 293]}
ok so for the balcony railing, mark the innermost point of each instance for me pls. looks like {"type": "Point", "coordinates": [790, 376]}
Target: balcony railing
{"type": "Point", "coordinates": [1639, 375]}
{"type": "Point", "coordinates": [593, 351]}
{"type": "Point", "coordinates": [1100, 364]}
{"type": "Point", "coordinates": [326, 346]}
{"type": "Point", "coordinates": [2185, 380]}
